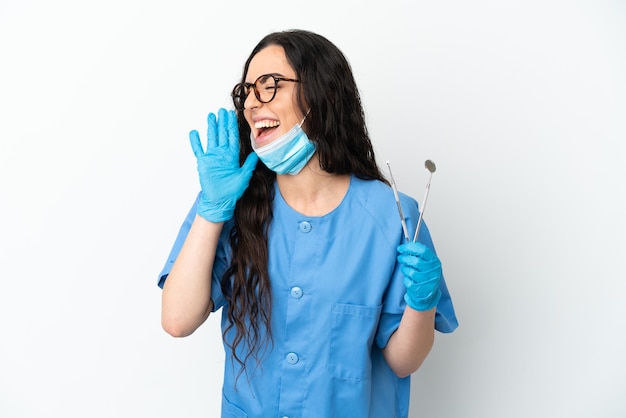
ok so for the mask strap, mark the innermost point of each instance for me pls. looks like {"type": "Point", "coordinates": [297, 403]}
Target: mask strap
{"type": "Point", "coordinates": [307, 114]}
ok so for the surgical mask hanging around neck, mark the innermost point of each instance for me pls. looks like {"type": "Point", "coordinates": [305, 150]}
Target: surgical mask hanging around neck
{"type": "Point", "coordinates": [287, 154]}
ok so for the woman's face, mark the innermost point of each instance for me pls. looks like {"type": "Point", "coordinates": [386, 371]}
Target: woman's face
{"type": "Point", "coordinates": [269, 121]}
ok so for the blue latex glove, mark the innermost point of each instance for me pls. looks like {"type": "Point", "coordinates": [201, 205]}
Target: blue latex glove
{"type": "Point", "coordinates": [422, 273]}
{"type": "Point", "coordinates": [222, 180]}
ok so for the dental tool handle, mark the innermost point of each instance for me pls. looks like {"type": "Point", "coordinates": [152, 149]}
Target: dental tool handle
{"type": "Point", "coordinates": [404, 228]}
{"type": "Point", "coordinates": [397, 197]}
{"type": "Point", "coordinates": [419, 221]}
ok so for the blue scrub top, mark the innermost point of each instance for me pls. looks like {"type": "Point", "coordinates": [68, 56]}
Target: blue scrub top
{"type": "Point", "coordinates": [337, 297]}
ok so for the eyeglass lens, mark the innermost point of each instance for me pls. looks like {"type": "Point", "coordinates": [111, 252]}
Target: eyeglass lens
{"type": "Point", "coordinates": [264, 89]}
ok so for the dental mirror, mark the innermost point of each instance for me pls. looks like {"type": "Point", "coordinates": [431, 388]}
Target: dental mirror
{"type": "Point", "coordinates": [431, 167]}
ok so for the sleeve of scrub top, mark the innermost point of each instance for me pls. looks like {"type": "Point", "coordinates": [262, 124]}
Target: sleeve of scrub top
{"type": "Point", "coordinates": [445, 317]}
{"type": "Point", "coordinates": [219, 266]}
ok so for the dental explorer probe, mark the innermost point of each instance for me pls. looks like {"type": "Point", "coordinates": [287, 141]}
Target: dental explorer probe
{"type": "Point", "coordinates": [395, 193]}
{"type": "Point", "coordinates": [430, 166]}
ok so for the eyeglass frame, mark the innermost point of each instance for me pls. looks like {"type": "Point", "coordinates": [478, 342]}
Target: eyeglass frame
{"type": "Point", "coordinates": [246, 86]}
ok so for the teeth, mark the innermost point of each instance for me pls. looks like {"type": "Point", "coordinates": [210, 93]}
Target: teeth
{"type": "Point", "coordinates": [266, 124]}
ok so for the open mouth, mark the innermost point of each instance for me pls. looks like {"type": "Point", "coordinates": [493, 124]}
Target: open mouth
{"type": "Point", "coordinates": [265, 128]}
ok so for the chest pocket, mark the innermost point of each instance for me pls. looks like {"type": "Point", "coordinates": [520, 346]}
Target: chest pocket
{"type": "Point", "coordinates": [352, 334]}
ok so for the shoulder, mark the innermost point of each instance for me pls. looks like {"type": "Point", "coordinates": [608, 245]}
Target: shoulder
{"type": "Point", "coordinates": [369, 189]}
{"type": "Point", "coordinates": [378, 197]}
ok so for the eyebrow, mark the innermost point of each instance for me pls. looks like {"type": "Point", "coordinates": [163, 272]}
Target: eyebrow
{"type": "Point", "coordinates": [268, 74]}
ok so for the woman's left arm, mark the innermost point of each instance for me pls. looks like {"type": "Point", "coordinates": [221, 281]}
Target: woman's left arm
{"type": "Point", "coordinates": [411, 342]}
{"type": "Point", "coordinates": [409, 345]}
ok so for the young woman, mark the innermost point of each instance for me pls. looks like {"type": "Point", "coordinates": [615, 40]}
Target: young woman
{"type": "Point", "coordinates": [327, 310]}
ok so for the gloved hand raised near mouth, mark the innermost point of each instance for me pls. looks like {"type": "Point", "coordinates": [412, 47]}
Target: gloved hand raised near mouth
{"type": "Point", "coordinates": [222, 180]}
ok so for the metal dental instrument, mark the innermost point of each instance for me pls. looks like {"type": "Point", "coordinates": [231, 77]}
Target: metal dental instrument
{"type": "Point", "coordinates": [430, 166]}
{"type": "Point", "coordinates": [395, 193]}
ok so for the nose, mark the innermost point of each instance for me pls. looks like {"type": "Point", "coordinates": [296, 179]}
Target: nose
{"type": "Point", "coordinates": [251, 101]}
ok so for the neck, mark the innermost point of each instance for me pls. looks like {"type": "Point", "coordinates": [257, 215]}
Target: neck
{"type": "Point", "coordinates": [313, 191]}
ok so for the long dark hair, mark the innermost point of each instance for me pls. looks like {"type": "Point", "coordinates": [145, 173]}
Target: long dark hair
{"type": "Point", "coordinates": [336, 125]}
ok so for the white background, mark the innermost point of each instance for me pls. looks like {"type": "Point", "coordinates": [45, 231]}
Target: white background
{"type": "Point", "coordinates": [521, 104]}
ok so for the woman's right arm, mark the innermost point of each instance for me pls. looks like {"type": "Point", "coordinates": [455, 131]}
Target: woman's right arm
{"type": "Point", "coordinates": [186, 300]}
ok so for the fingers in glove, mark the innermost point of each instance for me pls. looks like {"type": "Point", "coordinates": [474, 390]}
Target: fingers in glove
{"type": "Point", "coordinates": [222, 128]}
{"type": "Point", "coordinates": [421, 277]}
{"type": "Point", "coordinates": [233, 130]}
{"type": "Point", "coordinates": [418, 263]}
{"type": "Point", "coordinates": [196, 145]}
{"type": "Point", "coordinates": [250, 163]}
{"type": "Point", "coordinates": [417, 291]}
{"type": "Point", "coordinates": [211, 134]}
{"type": "Point", "coordinates": [417, 249]}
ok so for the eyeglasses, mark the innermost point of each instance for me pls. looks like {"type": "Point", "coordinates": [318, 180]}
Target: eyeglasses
{"type": "Point", "coordinates": [264, 89]}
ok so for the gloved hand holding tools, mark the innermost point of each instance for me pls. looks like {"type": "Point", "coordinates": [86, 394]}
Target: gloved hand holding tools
{"type": "Point", "coordinates": [422, 273]}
